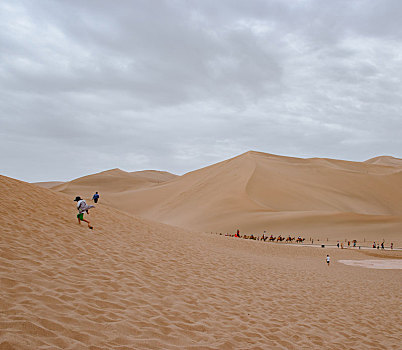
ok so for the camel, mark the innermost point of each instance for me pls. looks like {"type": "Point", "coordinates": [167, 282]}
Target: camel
{"type": "Point", "coordinates": [280, 238]}
{"type": "Point", "coordinates": [300, 240]}
{"type": "Point", "coordinates": [272, 238]}
{"type": "Point", "coordinates": [290, 239]}
{"type": "Point", "coordinates": [250, 237]}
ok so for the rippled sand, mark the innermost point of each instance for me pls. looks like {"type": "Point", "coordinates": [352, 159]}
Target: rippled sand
{"type": "Point", "coordinates": [135, 284]}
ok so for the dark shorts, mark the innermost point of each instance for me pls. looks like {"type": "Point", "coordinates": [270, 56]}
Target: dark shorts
{"type": "Point", "coordinates": [96, 200]}
{"type": "Point", "coordinates": [80, 216]}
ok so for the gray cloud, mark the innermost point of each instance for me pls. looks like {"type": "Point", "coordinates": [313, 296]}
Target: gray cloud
{"type": "Point", "coordinates": [176, 85]}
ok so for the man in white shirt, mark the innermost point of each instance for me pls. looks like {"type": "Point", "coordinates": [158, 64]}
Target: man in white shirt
{"type": "Point", "coordinates": [328, 260]}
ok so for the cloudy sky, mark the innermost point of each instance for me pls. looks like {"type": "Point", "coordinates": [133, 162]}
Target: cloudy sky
{"type": "Point", "coordinates": [174, 85]}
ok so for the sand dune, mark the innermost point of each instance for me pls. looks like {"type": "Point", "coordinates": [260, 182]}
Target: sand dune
{"type": "Point", "coordinates": [49, 184]}
{"type": "Point", "coordinates": [110, 183]}
{"type": "Point", "coordinates": [137, 284]}
{"type": "Point", "coordinates": [324, 198]}
{"type": "Point", "coordinates": [386, 160]}
{"type": "Point", "coordinates": [115, 180]}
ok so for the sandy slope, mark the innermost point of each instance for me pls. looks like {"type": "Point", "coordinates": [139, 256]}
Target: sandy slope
{"type": "Point", "coordinates": [49, 184]}
{"type": "Point", "coordinates": [386, 160]}
{"type": "Point", "coordinates": [134, 284]}
{"type": "Point", "coordinates": [323, 198]}
{"type": "Point", "coordinates": [110, 183]}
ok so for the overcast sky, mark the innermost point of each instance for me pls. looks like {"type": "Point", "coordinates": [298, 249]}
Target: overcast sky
{"type": "Point", "coordinates": [173, 85]}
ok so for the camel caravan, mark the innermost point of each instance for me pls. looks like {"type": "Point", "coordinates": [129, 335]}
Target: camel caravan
{"type": "Point", "coordinates": [265, 237]}
{"type": "Point", "coordinates": [299, 239]}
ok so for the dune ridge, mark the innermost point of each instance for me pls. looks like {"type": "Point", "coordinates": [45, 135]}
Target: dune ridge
{"type": "Point", "coordinates": [109, 182]}
{"type": "Point", "coordinates": [385, 160]}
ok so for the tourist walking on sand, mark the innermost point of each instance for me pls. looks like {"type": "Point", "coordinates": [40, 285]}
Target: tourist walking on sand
{"type": "Point", "coordinates": [95, 198]}
{"type": "Point", "coordinates": [83, 207]}
{"type": "Point", "coordinates": [328, 260]}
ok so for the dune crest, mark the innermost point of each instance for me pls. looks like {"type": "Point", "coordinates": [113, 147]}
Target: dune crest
{"type": "Point", "coordinates": [386, 160]}
{"type": "Point", "coordinates": [111, 183]}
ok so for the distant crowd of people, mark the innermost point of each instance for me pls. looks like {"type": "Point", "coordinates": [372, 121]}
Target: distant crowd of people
{"type": "Point", "coordinates": [378, 245]}
{"type": "Point", "coordinates": [299, 239]}
{"type": "Point", "coordinates": [375, 245]}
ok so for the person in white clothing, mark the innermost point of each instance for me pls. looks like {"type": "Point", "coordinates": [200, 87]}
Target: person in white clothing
{"type": "Point", "coordinates": [328, 260]}
{"type": "Point", "coordinates": [83, 207]}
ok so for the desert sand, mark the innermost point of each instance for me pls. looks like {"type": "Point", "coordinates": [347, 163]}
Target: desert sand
{"type": "Point", "coordinates": [138, 284]}
{"type": "Point", "coordinates": [324, 199]}
{"type": "Point", "coordinates": [49, 184]}
{"type": "Point", "coordinates": [110, 181]}
{"type": "Point", "coordinates": [386, 264]}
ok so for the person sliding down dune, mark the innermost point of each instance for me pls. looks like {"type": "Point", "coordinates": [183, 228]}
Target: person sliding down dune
{"type": "Point", "coordinates": [83, 207]}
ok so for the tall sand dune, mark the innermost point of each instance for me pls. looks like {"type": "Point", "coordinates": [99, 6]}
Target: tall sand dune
{"type": "Point", "coordinates": [137, 284]}
{"type": "Point", "coordinates": [324, 198]}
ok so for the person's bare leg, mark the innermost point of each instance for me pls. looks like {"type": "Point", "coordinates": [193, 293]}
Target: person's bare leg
{"type": "Point", "coordinates": [79, 222]}
{"type": "Point", "coordinates": [89, 224]}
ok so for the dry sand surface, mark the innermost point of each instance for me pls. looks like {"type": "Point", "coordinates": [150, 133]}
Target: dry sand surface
{"type": "Point", "coordinates": [318, 198]}
{"type": "Point", "coordinates": [137, 284]}
{"type": "Point", "coordinates": [49, 184]}
{"type": "Point", "coordinates": [110, 182]}
{"type": "Point", "coordinates": [388, 264]}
